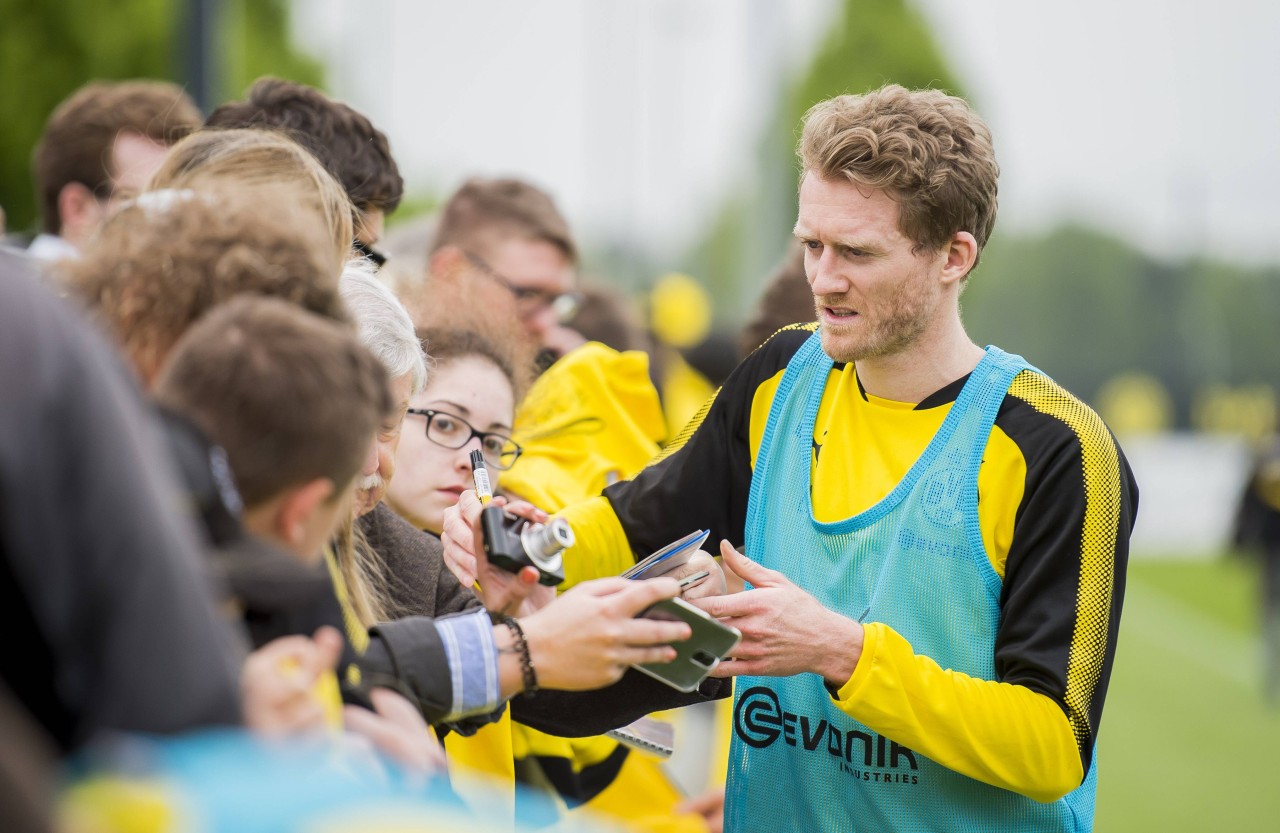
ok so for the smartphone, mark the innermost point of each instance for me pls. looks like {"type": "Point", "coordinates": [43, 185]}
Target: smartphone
{"type": "Point", "coordinates": [698, 655]}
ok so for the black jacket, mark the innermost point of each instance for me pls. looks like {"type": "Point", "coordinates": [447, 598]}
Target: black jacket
{"type": "Point", "coordinates": [109, 620]}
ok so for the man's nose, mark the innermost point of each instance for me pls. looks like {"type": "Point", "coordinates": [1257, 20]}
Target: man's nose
{"type": "Point", "coordinates": [540, 321]}
{"type": "Point", "coordinates": [824, 274]}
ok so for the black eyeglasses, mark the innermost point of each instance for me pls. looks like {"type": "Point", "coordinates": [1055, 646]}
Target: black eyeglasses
{"type": "Point", "coordinates": [378, 258]}
{"type": "Point", "coordinates": [529, 301]}
{"type": "Point", "coordinates": [450, 431]}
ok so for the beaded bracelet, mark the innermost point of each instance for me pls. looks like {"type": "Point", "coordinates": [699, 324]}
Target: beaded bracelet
{"type": "Point", "coordinates": [522, 648]}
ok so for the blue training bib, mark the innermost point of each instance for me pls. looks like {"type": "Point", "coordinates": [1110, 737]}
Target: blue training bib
{"type": "Point", "coordinates": [915, 561]}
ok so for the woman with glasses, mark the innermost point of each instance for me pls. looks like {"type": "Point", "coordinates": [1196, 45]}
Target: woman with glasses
{"type": "Point", "coordinates": [469, 403]}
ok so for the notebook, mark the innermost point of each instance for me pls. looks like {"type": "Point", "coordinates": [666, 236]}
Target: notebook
{"type": "Point", "coordinates": [673, 555]}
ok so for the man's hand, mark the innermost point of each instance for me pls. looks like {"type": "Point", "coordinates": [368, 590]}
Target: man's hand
{"type": "Point", "coordinates": [502, 592]}
{"type": "Point", "coordinates": [587, 637]}
{"type": "Point", "coordinates": [278, 682]}
{"type": "Point", "coordinates": [397, 730]}
{"type": "Point", "coordinates": [712, 585]}
{"type": "Point", "coordinates": [785, 630]}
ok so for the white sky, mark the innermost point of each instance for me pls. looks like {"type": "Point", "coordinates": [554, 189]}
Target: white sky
{"type": "Point", "coordinates": [1156, 119]}
{"type": "Point", "coordinates": [1160, 119]}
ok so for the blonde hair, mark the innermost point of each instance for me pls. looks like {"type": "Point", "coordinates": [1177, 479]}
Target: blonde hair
{"type": "Point", "coordinates": [163, 261]}
{"type": "Point", "coordinates": [927, 150]}
{"type": "Point", "coordinates": [257, 161]}
{"type": "Point", "coordinates": [362, 574]}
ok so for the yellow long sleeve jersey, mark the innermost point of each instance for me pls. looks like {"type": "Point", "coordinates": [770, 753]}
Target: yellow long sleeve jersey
{"type": "Point", "coordinates": [1056, 505]}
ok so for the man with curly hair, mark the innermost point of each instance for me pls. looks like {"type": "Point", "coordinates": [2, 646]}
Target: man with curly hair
{"type": "Point", "coordinates": [935, 533]}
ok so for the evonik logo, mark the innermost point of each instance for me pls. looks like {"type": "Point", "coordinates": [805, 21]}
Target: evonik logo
{"type": "Point", "coordinates": [759, 721]}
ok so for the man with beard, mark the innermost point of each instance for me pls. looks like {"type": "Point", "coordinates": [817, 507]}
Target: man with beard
{"type": "Point", "coordinates": [935, 534]}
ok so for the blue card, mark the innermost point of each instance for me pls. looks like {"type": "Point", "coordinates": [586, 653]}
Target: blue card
{"type": "Point", "coordinates": [673, 555]}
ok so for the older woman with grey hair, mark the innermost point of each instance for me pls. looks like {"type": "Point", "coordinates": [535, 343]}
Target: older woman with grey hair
{"type": "Point", "coordinates": [458, 665]}
{"type": "Point", "coordinates": [387, 331]}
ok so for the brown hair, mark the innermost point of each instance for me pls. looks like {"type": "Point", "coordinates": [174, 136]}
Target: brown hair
{"type": "Point", "coordinates": [355, 152]}
{"type": "Point", "coordinates": [443, 344]}
{"type": "Point", "coordinates": [290, 396]}
{"type": "Point", "coordinates": [484, 210]}
{"type": "Point", "coordinates": [81, 132]}
{"type": "Point", "coordinates": [262, 163]}
{"type": "Point", "coordinates": [164, 261]}
{"type": "Point", "coordinates": [927, 150]}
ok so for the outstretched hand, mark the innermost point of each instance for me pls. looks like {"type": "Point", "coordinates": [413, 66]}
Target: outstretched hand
{"type": "Point", "coordinates": [784, 629]}
{"type": "Point", "coordinates": [396, 728]}
{"type": "Point", "coordinates": [517, 594]}
{"type": "Point", "coordinates": [588, 636]}
{"type": "Point", "coordinates": [278, 683]}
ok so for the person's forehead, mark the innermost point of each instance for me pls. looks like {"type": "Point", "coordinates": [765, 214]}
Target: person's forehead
{"type": "Point", "coordinates": [838, 207]}
{"type": "Point", "coordinates": [134, 158]}
{"type": "Point", "coordinates": [475, 384]}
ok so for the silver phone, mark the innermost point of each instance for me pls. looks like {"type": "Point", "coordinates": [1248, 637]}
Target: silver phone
{"type": "Point", "coordinates": [697, 656]}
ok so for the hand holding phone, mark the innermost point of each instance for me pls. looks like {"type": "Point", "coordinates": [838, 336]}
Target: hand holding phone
{"type": "Point", "coordinates": [710, 642]}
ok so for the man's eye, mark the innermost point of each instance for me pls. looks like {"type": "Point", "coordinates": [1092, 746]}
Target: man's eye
{"type": "Point", "coordinates": [813, 245]}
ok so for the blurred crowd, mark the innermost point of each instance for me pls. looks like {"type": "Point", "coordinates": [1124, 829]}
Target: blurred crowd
{"type": "Point", "coordinates": [237, 412]}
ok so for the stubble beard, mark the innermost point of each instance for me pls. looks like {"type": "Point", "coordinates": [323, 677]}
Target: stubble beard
{"type": "Point", "coordinates": [899, 321]}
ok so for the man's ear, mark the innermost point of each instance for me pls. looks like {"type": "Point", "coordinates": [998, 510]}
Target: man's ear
{"type": "Point", "coordinates": [296, 514]}
{"type": "Point", "coordinates": [961, 253]}
{"type": "Point", "coordinates": [79, 213]}
{"type": "Point", "coordinates": [447, 263]}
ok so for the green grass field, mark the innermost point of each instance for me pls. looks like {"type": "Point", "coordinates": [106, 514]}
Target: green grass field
{"type": "Point", "coordinates": [1187, 742]}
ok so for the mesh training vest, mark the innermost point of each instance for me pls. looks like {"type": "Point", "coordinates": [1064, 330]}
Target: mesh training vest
{"type": "Point", "coordinates": [914, 561]}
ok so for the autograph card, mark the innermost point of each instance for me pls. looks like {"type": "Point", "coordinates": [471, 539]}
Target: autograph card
{"type": "Point", "coordinates": [673, 555]}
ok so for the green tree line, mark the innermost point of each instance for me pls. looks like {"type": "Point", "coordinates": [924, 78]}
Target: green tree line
{"type": "Point", "coordinates": [1087, 306]}
{"type": "Point", "coordinates": [49, 49]}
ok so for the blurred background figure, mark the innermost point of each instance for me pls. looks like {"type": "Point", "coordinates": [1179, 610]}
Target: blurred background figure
{"type": "Point", "coordinates": [100, 148]}
{"type": "Point", "coordinates": [355, 152]}
{"type": "Point", "coordinates": [507, 238]}
{"type": "Point", "coordinates": [96, 568]}
{"type": "Point", "coordinates": [1258, 531]}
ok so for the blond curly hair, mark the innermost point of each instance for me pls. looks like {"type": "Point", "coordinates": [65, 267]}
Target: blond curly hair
{"type": "Point", "coordinates": [927, 150]}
